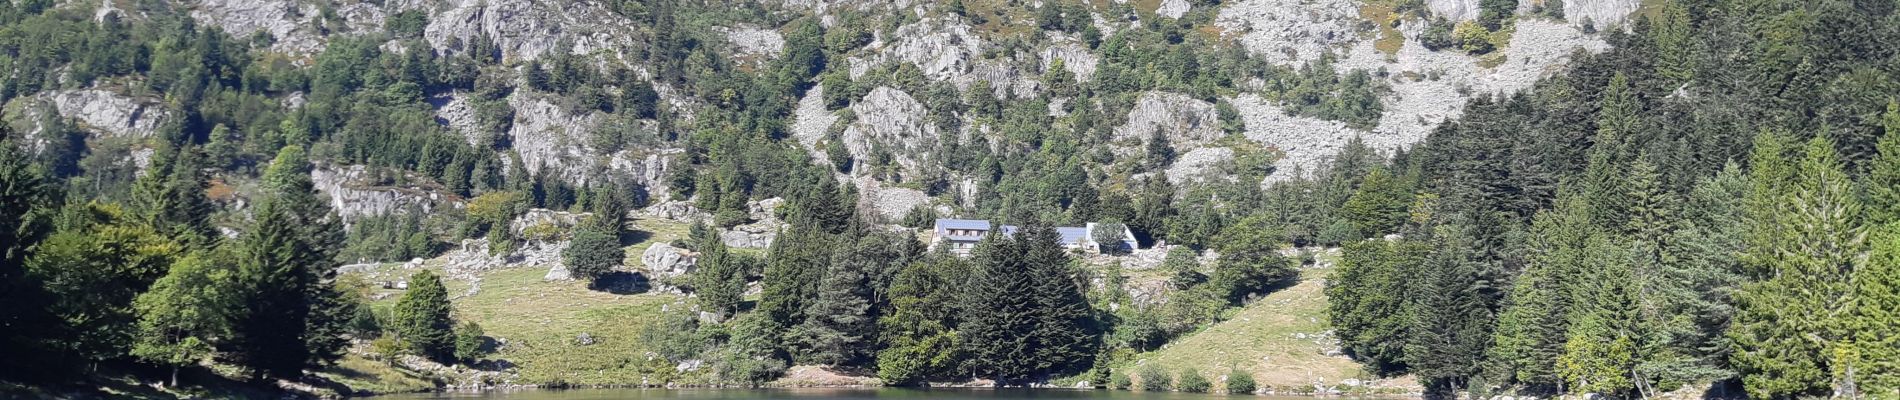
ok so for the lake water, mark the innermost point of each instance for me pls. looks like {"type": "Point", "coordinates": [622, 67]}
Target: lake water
{"type": "Point", "coordinates": [824, 394]}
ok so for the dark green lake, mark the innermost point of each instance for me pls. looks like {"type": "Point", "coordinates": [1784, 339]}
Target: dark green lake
{"type": "Point", "coordinates": [824, 394]}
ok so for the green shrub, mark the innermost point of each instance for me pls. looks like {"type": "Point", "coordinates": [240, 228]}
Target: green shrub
{"type": "Point", "coordinates": [1119, 381]}
{"type": "Point", "coordinates": [1240, 382]}
{"type": "Point", "coordinates": [1191, 381]}
{"type": "Point", "coordinates": [1154, 379]}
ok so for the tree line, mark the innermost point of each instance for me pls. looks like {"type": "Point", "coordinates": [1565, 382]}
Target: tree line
{"type": "Point", "coordinates": [1653, 218]}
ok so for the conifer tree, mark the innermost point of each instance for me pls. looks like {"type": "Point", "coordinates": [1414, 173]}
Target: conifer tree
{"type": "Point", "coordinates": [171, 197]}
{"type": "Point", "coordinates": [422, 318]}
{"type": "Point", "coordinates": [284, 262]}
{"type": "Point", "coordinates": [1603, 176]}
{"type": "Point", "coordinates": [593, 253]}
{"type": "Point", "coordinates": [1365, 304]}
{"type": "Point", "coordinates": [718, 278]}
{"type": "Point", "coordinates": [1450, 322]}
{"type": "Point", "coordinates": [1379, 207]}
{"type": "Point", "coordinates": [1883, 180]}
{"type": "Point", "coordinates": [1599, 354]}
{"type": "Point", "coordinates": [839, 322]}
{"type": "Point", "coordinates": [24, 191]}
{"type": "Point", "coordinates": [1787, 332]}
{"type": "Point", "coordinates": [1675, 43]}
{"type": "Point", "coordinates": [1873, 363]}
{"type": "Point", "coordinates": [1533, 325]}
{"type": "Point", "coordinates": [1026, 316]}
{"type": "Point", "coordinates": [1066, 332]}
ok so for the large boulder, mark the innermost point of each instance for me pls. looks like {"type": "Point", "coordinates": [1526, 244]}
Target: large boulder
{"type": "Point", "coordinates": [666, 261]}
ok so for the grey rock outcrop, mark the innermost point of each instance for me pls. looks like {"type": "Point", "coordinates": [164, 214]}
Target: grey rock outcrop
{"type": "Point", "coordinates": [942, 47]}
{"type": "Point", "coordinates": [666, 262]}
{"type": "Point", "coordinates": [761, 231]}
{"type": "Point", "coordinates": [1187, 122]}
{"type": "Point", "coordinates": [1075, 57]}
{"type": "Point", "coordinates": [889, 202]}
{"type": "Point", "coordinates": [353, 194]}
{"type": "Point", "coordinates": [109, 113]}
{"type": "Point", "coordinates": [1173, 8]}
{"type": "Point", "coordinates": [1291, 32]}
{"type": "Point", "coordinates": [753, 43]}
{"type": "Point", "coordinates": [527, 30]}
{"type": "Point", "coordinates": [1304, 141]}
{"type": "Point", "coordinates": [811, 121]}
{"type": "Point", "coordinates": [892, 121]}
{"type": "Point", "coordinates": [1604, 13]}
{"type": "Point", "coordinates": [1196, 165]}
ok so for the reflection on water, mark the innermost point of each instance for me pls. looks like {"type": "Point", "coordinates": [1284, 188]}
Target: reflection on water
{"type": "Point", "coordinates": [823, 394]}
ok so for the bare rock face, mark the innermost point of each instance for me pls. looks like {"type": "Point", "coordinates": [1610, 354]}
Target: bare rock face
{"type": "Point", "coordinates": [754, 43]}
{"type": "Point", "coordinates": [1005, 80]}
{"type": "Point", "coordinates": [1187, 122]}
{"type": "Point", "coordinates": [1455, 10]}
{"type": "Point", "coordinates": [890, 120]}
{"type": "Point", "coordinates": [676, 209]}
{"type": "Point", "coordinates": [108, 113]}
{"type": "Point", "coordinates": [354, 194]}
{"type": "Point", "coordinates": [1075, 57]}
{"type": "Point", "coordinates": [1604, 13]}
{"type": "Point", "coordinates": [1291, 32]}
{"type": "Point", "coordinates": [1173, 8]}
{"type": "Point", "coordinates": [528, 30]}
{"type": "Point", "coordinates": [547, 135]}
{"type": "Point", "coordinates": [763, 229]}
{"type": "Point", "coordinates": [298, 28]}
{"type": "Point", "coordinates": [541, 218]}
{"type": "Point", "coordinates": [942, 47]}
{"type": "Point", "coordinates": [1196, 165]}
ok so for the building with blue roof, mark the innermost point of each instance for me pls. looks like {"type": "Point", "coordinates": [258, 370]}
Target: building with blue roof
{"type": "Point", "coordinates": [962, 235]}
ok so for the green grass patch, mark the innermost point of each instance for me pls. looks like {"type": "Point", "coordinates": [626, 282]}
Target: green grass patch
{"type": "Point", "coordinates": [540, 323]}
{"type": "Point", "coordinates": [1389, 40]}
{"type": "Point", "coordinates": [376, 376]}
{"type": "Point", "coordinates": [1277, 338]}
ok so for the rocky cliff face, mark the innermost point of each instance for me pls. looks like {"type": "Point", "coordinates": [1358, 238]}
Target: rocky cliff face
{"type": "Point", "coordinates": [941, 47]}
{"type": "Point", "coordinates": [354, 194]}
{"type": "Point", "coordinates": [892, 122]}
{"type": "Point", "coordinates": [1187, 122]}
{"type": "Point", "coordinates": [108, 112]}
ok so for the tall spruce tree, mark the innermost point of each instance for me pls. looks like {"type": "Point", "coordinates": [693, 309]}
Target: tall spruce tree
{"type": "Point", "coordinates": [1534, 323]}
{"type": "Point", "coordinates": [1787, 334]}
{"type": "Point", "coordinates": [1366, 305]}
{"type": "Point", "coordinates": [1067, 334]}
{"type": "Point", "coordinates": [284, 262]}
{"type": "Point", "coordinates": [1026, 316]}
{"type": "Point", "coordinates": [26, 328]}
{"type": "Point", "coordinates": [719, 278]}
{"type": "Point", "coordinates": [1450, 319]}
{"type": "Point", "coordinates": [1600, 350]}
{"type": "Point", "coordinates": [1873, 359]}
{"type": "Point", "coordinates": [839, 323]}
{"type": "Point", "coordinates": [1883, 178]}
